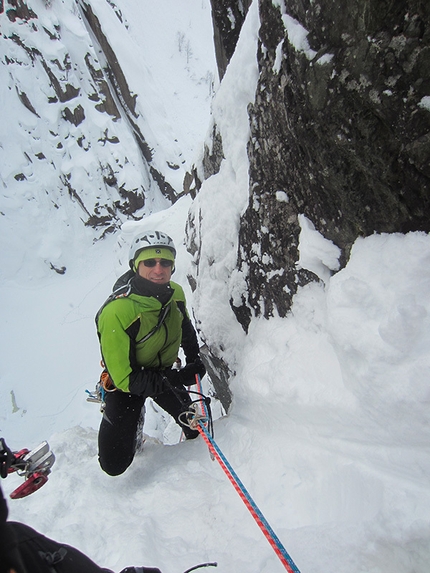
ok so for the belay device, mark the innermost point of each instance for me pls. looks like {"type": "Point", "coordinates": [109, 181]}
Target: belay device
{"type": "Point", "coordinates": [34, 466]}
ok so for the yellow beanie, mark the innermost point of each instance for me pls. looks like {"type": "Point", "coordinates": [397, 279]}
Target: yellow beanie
{"type": "Point", "coordinates": [153, 253]}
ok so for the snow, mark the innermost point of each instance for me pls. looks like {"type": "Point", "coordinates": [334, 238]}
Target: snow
{"type": "Point", "coordinates": [218, 221]}
{"type": "Point", "coordinates": [317, 254]}
{"type": "Point", "coordinates": [180, 45]}
{"type": "Point", "coordinates": [425, 103]}
{"type": "Point", "coordinates": [329, 425]}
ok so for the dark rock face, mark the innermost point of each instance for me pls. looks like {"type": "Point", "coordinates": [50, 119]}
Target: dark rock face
{"type": "Point", "coordinates": [18, 10]}
{"type": "Point", "coordinates": [340, 133]}
{"type": "Point", "coordinates": [227, 17]}
{"type": "Point", "coordinates": [339, 126]}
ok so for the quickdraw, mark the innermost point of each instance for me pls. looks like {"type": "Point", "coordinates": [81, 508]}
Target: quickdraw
{"type": "Point", "coordinates": [105, 384]}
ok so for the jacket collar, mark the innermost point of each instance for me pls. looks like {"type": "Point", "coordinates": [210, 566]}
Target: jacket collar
{"type": "Point", "coordinates": [144, 287]}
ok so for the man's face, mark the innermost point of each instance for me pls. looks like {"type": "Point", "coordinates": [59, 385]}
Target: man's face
{"type": "Point", "coordinates": [156, 274]}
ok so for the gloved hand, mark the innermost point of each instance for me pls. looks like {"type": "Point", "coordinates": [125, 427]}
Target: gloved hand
{"type": "Point", "coordinates": [193, 368]}
{"type": "Point", "coordinates": [187, 375]}
{"type": "Point", "coordinates": [174, 377]}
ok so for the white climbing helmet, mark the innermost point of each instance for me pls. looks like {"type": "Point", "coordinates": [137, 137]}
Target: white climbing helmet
{"type": "Point", "coordinates": [149, 239]}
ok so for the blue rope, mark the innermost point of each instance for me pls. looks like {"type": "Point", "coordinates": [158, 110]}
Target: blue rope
{"type": "Point", "coordinates": [244, 491]}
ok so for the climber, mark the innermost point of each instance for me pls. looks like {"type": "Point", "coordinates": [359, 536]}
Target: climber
{"type": "Point", "coordinates": [141, 327]}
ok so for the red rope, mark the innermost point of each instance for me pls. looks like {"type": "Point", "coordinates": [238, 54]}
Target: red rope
{"type": "Point", "coordinates": [285, 559]}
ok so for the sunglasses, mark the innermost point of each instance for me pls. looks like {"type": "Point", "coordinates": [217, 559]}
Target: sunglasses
{"type": "Point", "coordinates": [163, 262]}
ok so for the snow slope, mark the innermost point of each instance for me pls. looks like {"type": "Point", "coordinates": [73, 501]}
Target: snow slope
{"type": "Point", "coordinates": [328, 428]}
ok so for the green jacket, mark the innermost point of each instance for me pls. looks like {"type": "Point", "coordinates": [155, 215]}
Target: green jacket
{"type": "Point", "coordinates": [123, 326]}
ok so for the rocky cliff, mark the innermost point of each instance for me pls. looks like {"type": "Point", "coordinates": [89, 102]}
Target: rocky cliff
{"type": "Point", "coordinates": [227, 17]}
{"type": "Point", "coordinates": [82, 129]}
{"type": "Point", "coordinates": [340, 132]}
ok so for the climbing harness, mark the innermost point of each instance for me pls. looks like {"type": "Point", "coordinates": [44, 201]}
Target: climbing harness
{"type": "Point", "coordinates": [197, 421]}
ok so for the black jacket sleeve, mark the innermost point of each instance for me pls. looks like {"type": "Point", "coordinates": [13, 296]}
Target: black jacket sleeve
{"type": "Point", "coordinates": [189, 343]}
{"type": "Point", "coordinates": [10, 557]}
